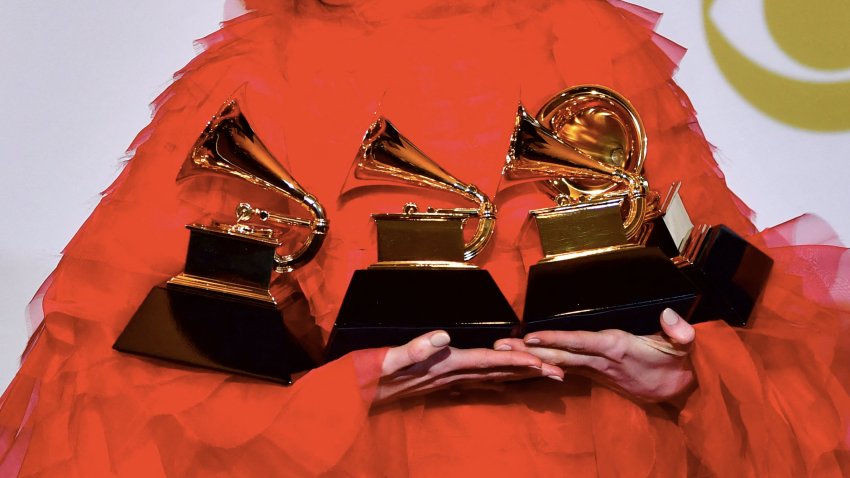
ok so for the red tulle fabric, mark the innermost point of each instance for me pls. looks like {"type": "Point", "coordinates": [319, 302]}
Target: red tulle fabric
{"type": "Point", "coordinates": [772, 399]}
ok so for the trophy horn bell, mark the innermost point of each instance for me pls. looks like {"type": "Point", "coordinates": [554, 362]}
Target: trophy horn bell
{"type": "Point", "coordinates": [229, 146]}
{"type": "Point", "coordinates": [386, 154]}
{"type": "Point", "coordinates": [537, 153]}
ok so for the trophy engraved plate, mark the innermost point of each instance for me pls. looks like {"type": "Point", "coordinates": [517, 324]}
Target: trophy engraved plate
{"type": "Point", "coordinates": [219, 313]}
{"type": "Point", "coordinates": [579, 227]}
{"type": "Point", "coordinates": [729, 271]}
{"type": "Point", "coordinates": [421, 281]}
{"type": "Point", "coordinates": [439, 237]}
{"type": "Point", "coordinates": [592, 276]}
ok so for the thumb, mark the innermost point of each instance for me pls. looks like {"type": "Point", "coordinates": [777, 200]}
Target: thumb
{"type": "Point", "coordinates": [677, 329]}
{"type": "Point", "coordinates": [417, 350]}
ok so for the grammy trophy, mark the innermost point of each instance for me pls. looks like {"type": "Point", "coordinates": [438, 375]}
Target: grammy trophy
{"type": "Point", "coordinates": [422, 280]}
{"type": "Point", "coordinates": [218, 313]}
{"type": "Point", "coordinates": [592, 277]}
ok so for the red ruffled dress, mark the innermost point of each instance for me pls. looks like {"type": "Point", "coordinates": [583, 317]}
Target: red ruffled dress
{"type": "Point", "coordinates": [771, 401]}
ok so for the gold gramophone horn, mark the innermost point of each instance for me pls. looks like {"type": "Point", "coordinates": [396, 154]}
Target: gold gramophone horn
{"type": "Point", "coordinates": [229, 146]}
{"type": "Point", "coordinates": [385, 154]}
{"type": "Point", "coordinates": [535, 152]}
{"type": "Point", "coordinates": [602, 124]}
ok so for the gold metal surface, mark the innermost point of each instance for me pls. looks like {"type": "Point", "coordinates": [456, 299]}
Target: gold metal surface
{"type": "Point", "coordinates": [688, 238]}
{"type": "Point", "coordinates": [577, 227]}
{"type": "Point", "coordinates": [693, 245]}
{"type": "Point", "coordinates": [589, 252]}
{"type": "Point", "coordinates": [418, 236]}
{"type": "Point", "coordinates": [229, 146]}
{"type": "Point", "coordinates": [536, 153]}
{"type": "Point", "coordinates": [603, 125]}
{"type": "Point", "coordinates": [196, 282]}
{"type": "Point", "coordinates": [676, 218]}
{"type": "Point", "coordinates": [247, 231]}
{"type": "Point", "coordinates": [385, 155]}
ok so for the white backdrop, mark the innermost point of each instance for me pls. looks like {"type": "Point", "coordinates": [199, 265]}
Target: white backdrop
{"type": "Point", "coordinates": [77, 77]}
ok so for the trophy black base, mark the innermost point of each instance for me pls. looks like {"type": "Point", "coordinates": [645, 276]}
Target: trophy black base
{"type": "Point", "coordinates": [731, 273]}
{"type": "Point", "coordinates": [626, 289]}
{"type": "Point", "coordinates": [389, 307]}
{"type": "Point", "coordinates": [214, 331]}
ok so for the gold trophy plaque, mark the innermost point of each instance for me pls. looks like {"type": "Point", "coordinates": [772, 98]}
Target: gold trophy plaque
{"type": "Point", "coordinates": [218, 313]}
{"type": "Point", "coordinates": [422, 280]}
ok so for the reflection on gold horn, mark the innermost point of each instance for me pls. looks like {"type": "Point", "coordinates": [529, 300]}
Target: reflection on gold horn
{"type": "Point", "coordinates": [602, 124]}
{"type": "Point", "coordinates": [537, 153]}
{"type": "Point", "coordinates": [386, 154]}
{"type": "Point", "coordinates": [229, 146]}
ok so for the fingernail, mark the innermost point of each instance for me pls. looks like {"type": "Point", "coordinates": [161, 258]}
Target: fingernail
{"type": "Point", "coordinates": [532, 341]}
{"type": "Point", "coordinates": [440, 339]}
{"type": "Point", "coordinates": [503, 347]}
{"type": "Point", "coordinates": [555, 377]}
{"type": "Point", "coordinates": [669, 317]}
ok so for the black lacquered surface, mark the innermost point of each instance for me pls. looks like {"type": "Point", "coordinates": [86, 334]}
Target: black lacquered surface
{"type": "Point", "coordinates": [389, 307]}
{"type": "Point", "coordinates": [229, 258]}
{"type": "Point", "coordinates": [214, 331]}
{"type": "Point", "coordinates": [659, 236]}
{"type": "Point", "coordinates": [731, 273]}
{"type": "Point", "coordinates": [624, 290]}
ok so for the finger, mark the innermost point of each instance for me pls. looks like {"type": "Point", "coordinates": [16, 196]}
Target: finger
{"type": "Point", "coordinates": [608, 343]}
{"type": "Point", "coordinates": [678, 330]}
{"type": "Point", "coordinates": [504, 345]}
{"type": "Point", "coordinates": [552, 356]}
{"type": "Point", "coordinates": [564, 358]}
{"type": "Point", "coordinates": [417, 350]}
{"type": "Point", "coordinates": [477, 359]}
{"type": "Point", "coordinates": [552, 371]}
{"type": "Point", "coordinates": [506, 374]}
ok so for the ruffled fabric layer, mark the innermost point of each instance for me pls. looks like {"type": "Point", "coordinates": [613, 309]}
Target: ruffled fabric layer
{"type": "Point", "coordinates": [772, 399]}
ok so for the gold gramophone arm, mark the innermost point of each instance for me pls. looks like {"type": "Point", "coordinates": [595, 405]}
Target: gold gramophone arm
{"type": "Point", "coordinates": [638, 187]}
{"type": "Point", "coordinates": [318, 229]}
{"type": "Point", "coordinates": [311, 245]}
{"type": "Point", "coordinates": [486, 223]}
{"type": "Point", "coordinates": [246, 212]}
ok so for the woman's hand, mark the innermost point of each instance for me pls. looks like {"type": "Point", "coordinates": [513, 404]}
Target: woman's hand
{"type": "Point", "coordinates": [649, 368]}
{"type": "Point", "coordinates": [427, 363]}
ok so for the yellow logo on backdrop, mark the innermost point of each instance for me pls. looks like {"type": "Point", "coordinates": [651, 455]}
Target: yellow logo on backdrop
{"type": "Point", "coordinates": [815, 34]}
